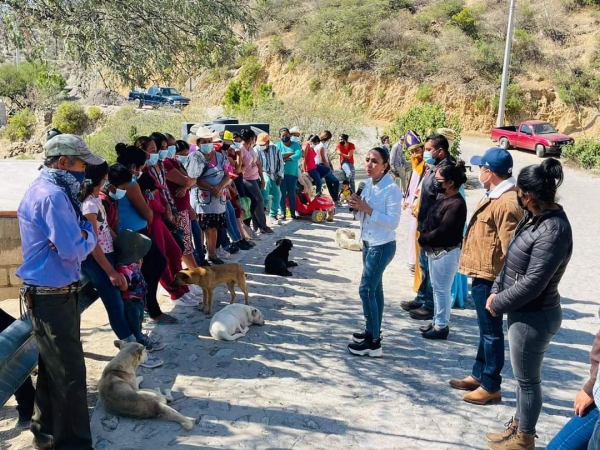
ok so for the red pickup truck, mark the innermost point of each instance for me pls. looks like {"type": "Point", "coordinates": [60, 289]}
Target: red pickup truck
{"type": "Point", "coordinates": [532, 135]}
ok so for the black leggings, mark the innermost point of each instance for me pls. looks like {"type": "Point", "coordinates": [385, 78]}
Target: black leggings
{"type": "Point", "coordinates": [152, 269]}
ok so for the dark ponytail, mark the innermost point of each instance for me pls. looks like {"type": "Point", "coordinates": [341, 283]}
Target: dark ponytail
{"type": "Point", "coordinates": [542, 180]}
{"type": "Point", "coordinates": [456, 173]}
{"type": "Point", "coordinates": [129, 155]}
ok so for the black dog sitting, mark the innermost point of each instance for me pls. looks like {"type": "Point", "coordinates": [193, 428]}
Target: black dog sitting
{"type": "Point", "coordinates": [277, 262]}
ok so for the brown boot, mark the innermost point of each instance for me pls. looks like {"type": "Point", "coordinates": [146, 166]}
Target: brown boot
{"type": "Point", "coordinates": [518, 441]}
{"type": "Point", "coordinates": [511, 428]}
{"type": "Point", "coordinates": [482, 397]}
{"type": "Point", "coordinates": [466, 384]}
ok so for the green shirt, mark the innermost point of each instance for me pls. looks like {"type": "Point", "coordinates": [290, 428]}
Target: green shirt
{"type": "Point", "coordinates": [290, 167]}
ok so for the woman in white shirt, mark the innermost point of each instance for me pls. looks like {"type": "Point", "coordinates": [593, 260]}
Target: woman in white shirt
{"type": "Point", "coordinates": [378, 211]}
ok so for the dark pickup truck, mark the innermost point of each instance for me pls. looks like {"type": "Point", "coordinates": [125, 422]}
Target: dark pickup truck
{"type": "Point", "coordinates": [158, 95]}
{"type": "Point", "coordinates": [535, 135]}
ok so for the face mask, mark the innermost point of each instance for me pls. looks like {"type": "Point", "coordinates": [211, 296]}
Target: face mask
{"type": "Point", "coordinates": [225, 147]}
{"type": "Point", "coordinates": [106, 184]}
{"type": "Point", "coordinates": [150, 196]}
{"type": "Point", "coordinates": [206, 148]}
{"type": "Point", "coordinates": [153, 159]}
{"type": "Point", "coordinates": [483, 182]}
{"type": "Point", "coordinates": [162, 154]}
{"type": "Point", "coordinates": [295, 139]}
{"type": "Point", "coordinates": [342, 142]}
{"type": "Point", "coordinates": [520, 202]}
{"type": "Point", "coordinates": [428, 158]}
{"type": "Point", "coordinates": [439, 187]}
{"type": "Point", "coordinates": [79, 176]}
{"type": "Point", "coordinates": [285, 139]}
{"type": "Point", "coordinates": [171, 149]}
{"type": "Point", "coordinates": [183, 159]}
{"type": "Point", "coordinates": [236, 145]}
{"type": "Point", "coordinates": [262, 147]}
{"type": "Point", "coordinates": [118, 195]}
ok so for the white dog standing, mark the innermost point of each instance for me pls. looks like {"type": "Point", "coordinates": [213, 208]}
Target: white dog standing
{"type": "Point", "coordinates": [234, 321]}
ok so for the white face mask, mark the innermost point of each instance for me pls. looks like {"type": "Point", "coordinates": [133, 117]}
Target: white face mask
{"type": "Point", "coordinates": [262, 147]}
{"type": "Point", "coordinates": [481, 181]}
{"type": "Point", "coordinates": [295, 139]}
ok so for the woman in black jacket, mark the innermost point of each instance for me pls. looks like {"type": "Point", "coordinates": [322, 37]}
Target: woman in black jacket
{"type": "Point", "coordinates": [527, 290]}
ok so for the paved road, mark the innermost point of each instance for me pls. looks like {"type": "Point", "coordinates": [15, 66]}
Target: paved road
{"type": "Point", "coordinates": [15, 177]}
{"type": "Point", "coordinates": [292, 383]}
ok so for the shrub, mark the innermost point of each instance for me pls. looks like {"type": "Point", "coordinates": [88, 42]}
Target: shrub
{"type": "Point", "coordinates": [314, 86]}
{"type": "Point", "coordinates": [70, 118]}
{"type": "Point", "coordinates": [248, 49]}
{"type": "Point", "coordinates": [277, 48]}
{"type": "Point", "coordinates": [20, 126]}
{"type": "Point", "coordinates": [515, 102]}
{"type": "Point", "coordinates": [481, 103]}
{"type": "Point", "coordinates": [232, 94]}
{"type": "Point", "coordinates": [436, 13]}
{"type": "Point", "coordinates": [467, 22]}
{"type": "Point", "coordinates": [488, 58]}
{"type": "Point", "coordinates": [95, 114]}
{"type": "Point", "coordinates": [424, 92]}
{"type": "Point", "coordinates": [585, 153]}
{"type": "Point", "coordinates": [424, 120]}
{"type": "Point", "coordinates": [579, 88]}
{"type": "Point", "coordinates": [31, 84]}
{"type": "Point", "coordinates": [250, 71]}
{"type": "Point", "coordinates": [525, 47]}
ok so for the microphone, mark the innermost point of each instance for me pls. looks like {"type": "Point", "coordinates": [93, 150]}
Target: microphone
{"type": "Point", "coordinates": [361, 186]}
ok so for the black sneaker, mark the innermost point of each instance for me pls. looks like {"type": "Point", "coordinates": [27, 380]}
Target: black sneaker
{"type": "Point", "coordinates": [203, 263]}
{"type": "Point", "coordinates": [367, 347]}
{"type": "Point", "coordinates": [243, 245]}
{"type": "Point", "coordinates": [437, 334]}
{"type": "Point", "coordinates": [216, 261]}
{"type": "Point", "coordinates": [359, 337]}
{"type": "Point", "coordinates": [233, 248]}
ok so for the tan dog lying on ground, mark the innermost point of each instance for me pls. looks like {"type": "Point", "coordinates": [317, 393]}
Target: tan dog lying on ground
{"type": "Point", "coordinates": [346, 238]}
{"type": "Point", "coordinates": [234, 321]}
{"type": "Point", "coordinates": [210, 277]}
{"type": "Point", "coordinates": [120, 392]}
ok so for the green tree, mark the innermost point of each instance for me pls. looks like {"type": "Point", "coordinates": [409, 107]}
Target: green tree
{"type": "Point", "coordinates": [137, 41]}
{"type": "Point", "coordinates": [31, 84]}
{"type": "Point", "coordinates": [70, 118]}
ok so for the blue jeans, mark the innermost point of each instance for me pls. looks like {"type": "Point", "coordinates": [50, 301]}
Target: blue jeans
{"type": "Point", "coordinates": [110, 295]}
{"type": "Point", "coordinates": [198, 243]}
{"type": "Point", "coordinates": [316, 176]}
{"type": "Point", "coordinates": [490, 353]}
{"type": "Point", "coordinates": [577, 432]}
{"type": "Point", "coordinates": [595, 439]}
{"type": "Point", "coordinates": [375, 259]}
{"type": "Point", "coordinates": [333, 184]}
{"type": "Point", "coordinates": [232, 225]}
{"type": "Point", "coordinates": [271, 190]}
{"type": "Point", "coordinates": [134, 314]}
{"type": "Point", "coordinates": [288, 191]}
{"type": "Point", "coordinates": [442, 273]}
{"type": "Point", "coordinates": [425, 292]}
{"type": "Point", "coordinates": [349, 171]}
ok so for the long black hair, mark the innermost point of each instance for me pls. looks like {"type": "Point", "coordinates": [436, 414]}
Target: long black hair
{"type": "Point", "coordinates": [542, 180]}
{"type": "Point", "coordinates": [455, 172]}
{"type": "Point", "coordinates": [118, 174]}
{"type": "Point", "coordinates": [129, 155]}
{"type": "Point", "coordinates": [94, 175]}
{"type": "Point", "coordinates": [385, 156]}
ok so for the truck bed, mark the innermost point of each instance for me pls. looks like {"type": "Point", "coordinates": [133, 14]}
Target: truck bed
{"type": "Point", "coordinates": [509, 128]}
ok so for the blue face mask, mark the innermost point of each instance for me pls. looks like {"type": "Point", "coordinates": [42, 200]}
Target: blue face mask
{"type": "Point", "coordinates": [285, 139]}
{"type": "Point", "coordinates": [236, 145]}
{"type": "Point", "coordinates": [171, 149]}
{"type": "Point", "coordinates": [428, 158]}
{"type": "Point", "coordinates": [183, 159]}
{"type": "Point", "coordinates": [153, 159]}
{"type": "Point", "coordinates": [79, 176]}
{"type": "Point", "coordinates": [162, 154]}
{"type": "Point", "coordinates": [106, 184]}
{"type": "Point", "coordinates": [206, 148]}
{"type": "Point", "coordinates": [118, 195]}
{"type": "Point", "coordinates": [295, 139]}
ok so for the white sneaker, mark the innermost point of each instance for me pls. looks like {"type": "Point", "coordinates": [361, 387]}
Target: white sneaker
{"type": "Point", "coordinates": [185, 301]}
{"type": "Point", "coordinates": [223, 253]}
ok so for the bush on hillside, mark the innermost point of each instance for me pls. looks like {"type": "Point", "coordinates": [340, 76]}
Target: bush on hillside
{"type": "Point", "coordinates": [424, 92]}
{"type": "Point", "coordinates": [585, 153]}
{"type": "Point", "coordinates": [31, 85]}
{"type": "Point", "coordinates": [581, 87]}
{"type": "Point", "coordinates": [516, 107]}
{"type": "Point", "coordinates": [95, 114]}
{"type": "Point", "coordinates": [20, 126]}
{"type": "Point", "coordinates": [424, 120]}
{"type": "Point", "coordinates": [70, 118]}
{"type": "Point", "coordinates": [277, 48]}
{"type": "Point", "coordinates": [467, 22]}
{"type": "Point", "coordinates": [251, 71]}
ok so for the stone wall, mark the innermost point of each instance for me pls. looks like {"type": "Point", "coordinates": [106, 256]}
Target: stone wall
{"type": "Point", "coordinates": [10, 255]}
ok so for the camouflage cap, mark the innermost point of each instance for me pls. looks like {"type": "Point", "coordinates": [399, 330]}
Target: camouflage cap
{"type": "Point", "coordinates": [71, 145]}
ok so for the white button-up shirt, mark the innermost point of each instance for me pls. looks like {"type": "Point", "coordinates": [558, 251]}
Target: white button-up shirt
{"type": "Point", "coordinates": [385, 199]}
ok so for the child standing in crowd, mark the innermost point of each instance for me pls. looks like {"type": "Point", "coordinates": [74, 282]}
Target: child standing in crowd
{"type": "Point", "coordinates": [130, 248]}
{"type": "Point", "coordinates": [346, 191]}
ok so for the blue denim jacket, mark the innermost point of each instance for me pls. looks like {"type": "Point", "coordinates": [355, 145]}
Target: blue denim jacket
{"type": "Point", "coordinates": [46, 215]}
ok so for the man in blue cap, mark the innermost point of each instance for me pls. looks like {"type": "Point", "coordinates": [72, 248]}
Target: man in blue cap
{"type": "Point", "coordinates": [484, 249]}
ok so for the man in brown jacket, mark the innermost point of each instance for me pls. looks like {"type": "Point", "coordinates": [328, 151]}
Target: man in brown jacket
{"type": "Point", "coordinates": [484, 249]}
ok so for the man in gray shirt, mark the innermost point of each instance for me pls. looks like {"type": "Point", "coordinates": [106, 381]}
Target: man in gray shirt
{"type": "Point", "coordinates": [399, 166]}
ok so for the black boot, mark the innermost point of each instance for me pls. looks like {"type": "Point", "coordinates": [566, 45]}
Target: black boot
{"type": "Point", "coordinates": [437, 334]}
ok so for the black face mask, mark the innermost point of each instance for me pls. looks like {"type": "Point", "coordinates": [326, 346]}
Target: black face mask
{"type": "Point", "coordinates": [225, 147]}
{"type": "Point", "coordinates": [342, 142]}
{"type": "Point", "coordinates": [438, 187]}
{"type": "Point", "coordinates": [520, 202]}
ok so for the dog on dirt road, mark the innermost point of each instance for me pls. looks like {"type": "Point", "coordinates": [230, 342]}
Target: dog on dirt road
{"type": "Point", "coordinates": [210, 277]}
{"type": "Point", "coordinates": [120, 391]}
{"type": "Point", "coordinates": [234, 321]}
{"type": "Point", "coordinates": [277, 262]}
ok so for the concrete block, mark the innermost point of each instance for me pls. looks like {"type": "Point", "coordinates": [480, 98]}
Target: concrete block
{"type": "Point", "coordinates": [11, 257]}
{"type": "Point", "coordinates": [9, 293]}
{"type": "Point", "coordinates": [9, 228]}
{"type": "Point", "coordinates": [12, 276]}
{"type": "Point", "coordinates": [3, 277]}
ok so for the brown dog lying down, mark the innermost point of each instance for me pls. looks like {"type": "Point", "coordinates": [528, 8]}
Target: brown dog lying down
{"type": "Point", "coordinates": [210, 277]}
{"type": "Point", "coordinates": [120, 392]}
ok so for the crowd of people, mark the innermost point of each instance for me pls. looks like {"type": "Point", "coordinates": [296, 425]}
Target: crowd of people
{"type": "Point", "coordinates": [116, 232]}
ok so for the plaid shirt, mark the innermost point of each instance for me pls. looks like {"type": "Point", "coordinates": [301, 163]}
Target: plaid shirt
{"type": "Point", "coordinates": [271, 161]}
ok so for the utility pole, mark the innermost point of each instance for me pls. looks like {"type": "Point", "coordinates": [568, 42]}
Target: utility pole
{"type": "Point", "coordinates": [506, 66]}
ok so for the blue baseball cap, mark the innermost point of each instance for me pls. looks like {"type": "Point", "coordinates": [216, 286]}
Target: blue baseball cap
{"type": "Point", "coordinates": [495, 159]}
